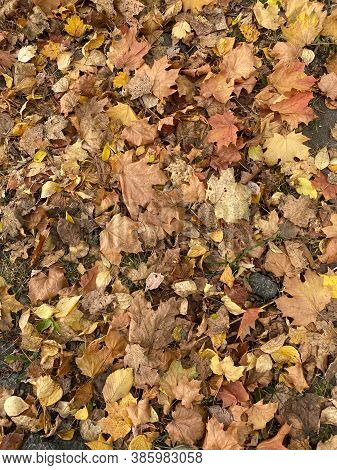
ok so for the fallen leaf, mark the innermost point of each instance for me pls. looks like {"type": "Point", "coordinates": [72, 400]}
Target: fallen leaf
{"type": "Point", "coordinates": [186, 427]}
{"type": "Point", "coordinates": [118, 385]}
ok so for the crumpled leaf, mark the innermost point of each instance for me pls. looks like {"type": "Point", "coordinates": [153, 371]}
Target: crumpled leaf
{"type": "Point", "coordinates": [43, 287]}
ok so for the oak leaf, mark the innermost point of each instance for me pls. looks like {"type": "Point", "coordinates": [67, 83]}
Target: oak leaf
{"type": "Point", "coordinates": [187, 426]}
{"type": "Point", "coordinates": [119, 235]}
{"type": "Point", "coordinates": [308, 299]}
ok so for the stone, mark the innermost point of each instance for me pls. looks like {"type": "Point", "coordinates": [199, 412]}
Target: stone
{"type": "Point", "coordinates": [263, 286]}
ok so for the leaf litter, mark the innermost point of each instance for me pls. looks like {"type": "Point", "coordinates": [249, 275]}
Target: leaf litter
{"type": "Point", "coordinates": [168, 236]}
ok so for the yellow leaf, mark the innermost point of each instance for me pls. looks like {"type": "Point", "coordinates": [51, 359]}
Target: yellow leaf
{"type": "Point", "coordinates": [49, 188]}
{"type": "Point", "coordinates": [181, 29]}
{"type": "Point", "coordinates": [75, 26]}
{"type": "Point", "coordinates": [255, 153]}
{"type": "Point", "coordinates": [249, 32]}
{"type": "Point", "coordinates": [286, 355]}
{"type": "Point", "coordinates": [100, 444]}
{"type": "Point", "coordinates": [48, 391]}
{"type": "Point", "coordinates": [285, 148]}
{"type": "Point", "coordinates": [140, 442]}
{"type": "Point", "coordinates": [216, 236]}
{"type": "Point", "coordinates": [69, 218]}
{"type": "Point", "coordinates": [224, 45]}
{"type": "Point", "coordinates": [123, 113]}
{"type": "Point", "coordinates": [117, 385]}
{"type": "Point", "coordinates": [82, 414]}
{"type": "Point", "coordinates": [106, 152]}
{"type": "Point", "coordinates": [14, 406]}
{"type": "Point", "coordinates": [120, 80]}
{"type": "Point", "coordinates": [195, 5]}
{"type": "Point", "coordinates": [227, 368]}
{"type": "Point", "coordinates": [66, 435]}
{"type": "Point", "coordinates": [306, 188]}
{"type": "Point", "coordinates": [94, 43]}
{"type": "Point", "coordinates": [39, 156]}
{"type": "Point", "coordinates": [231, 306]}
{"type": "Point", "coordinates": [65, 305]}
{"type": "Point", "coordinates": [45, 311]}
{"type": "Point", "coordinates": [8, 80]}
{"type": "Point", "coordinates": [51, 50]}
{"type": "Point", "coordinates": [331, 281]}
{"type": "Point", "coordinates": [227, 277]}
{"type": "Point", "coordinates": [196, 250]}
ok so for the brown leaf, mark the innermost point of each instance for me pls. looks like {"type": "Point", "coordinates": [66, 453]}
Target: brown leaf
{"type": "Point", "coordinates": [134, 176]}
{"type": "Point", "coordinates": [321, 183]}
{"type": "Point", "coordinates": [224, 129]}
{"type": "Point", "coordinates": [275, 443]}
{"type": "Point", "coordinates": [218, 439]}
{"type": "Point", "coordinates": [260, 414]}
{"type": "Point", "coordinates": [149, 328]}
{"type": "Point", "coordinates": [187, 426]}
{"type": "Point", "coordinates": [140, 133]}
{"type": "Point", "coordinates": [308, 298]}
{"type": "Point", "coordinates": [120, 234]}
{"type": "Point", "coordinates": [11, 441]}
{"type": "Point", "coordinates": [128, 52]}
{"type": "Point", "coordinates": [248, 321]}
{"type": "Point", "coordinates": [43, 287]}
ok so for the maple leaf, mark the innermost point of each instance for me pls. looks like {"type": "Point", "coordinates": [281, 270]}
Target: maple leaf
{"type": "Point", "coordinates": [248, 321]}
{"type": "Point", "coordinates": [308, 299]}
{"type": "Point", "coordinates": [148, 328]}
{"type": "Point", "coordinates": [267, 15]}
{"type": "Point", "coordinates": [231, 200]}
{"type": "Point", "coordinates": [93, 123]}
{"type": "Point", "coordinates": [75, 26]}
{"type": "Point", "coordinates": [163, 80]}
{"type": "Point", "coordinates": [140, 132]}
{"type": "Point", "coordinates": [195, 5]}
{"type": "Point", "coordinates": [224, 130]}
{"type": "Point", "coordinates": [288, 76]}
{"type": "Point", "coordinates": [260, 414]}
{"type": "Point", "coordinates": [128, 53]}
{"type": "Point", "coordinates": [118, 423]}
{"type": "Point", "coordinates": [240, 63]}
{"type": "Point", "coordinates": [294, 108]}
{"type": "Point", "coordinates": [321, 183]}
{"type": "Point", "coordinates": [220, 86]}
{"type": "Point", "coordinates": [285, 148]}
{"type": "Point", "coordinates": [304, 23]}
{"type": "Point", "coordinates": [95, 359]}
{"type": "Point", "coordinates": [187, 426]}
{"type": "Point", "coordinates": [218, 439]}
{"type": "Point", "coordinates": [275, 443]}
{"type": "Point", "coordinates": [134, 176]}
{"type": "Point", "coordinates": [328, 84]}
{"type": "Point", "coordinates": [331, 230]}
{"type": "Point", "coordinates": [120, 234]}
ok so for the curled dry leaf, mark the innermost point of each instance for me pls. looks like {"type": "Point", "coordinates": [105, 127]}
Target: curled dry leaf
{"type": "Point", "coordinates": [44, 287]}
